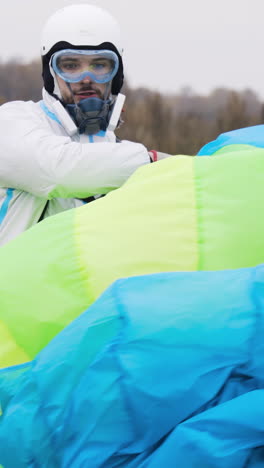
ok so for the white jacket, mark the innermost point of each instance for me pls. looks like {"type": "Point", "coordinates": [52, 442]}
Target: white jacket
{"type": "Point", "coordinates": [40, 162]}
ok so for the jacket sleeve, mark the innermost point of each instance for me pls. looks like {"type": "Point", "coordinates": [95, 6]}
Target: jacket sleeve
{"type": "Point", "coordinates": [35, 160]}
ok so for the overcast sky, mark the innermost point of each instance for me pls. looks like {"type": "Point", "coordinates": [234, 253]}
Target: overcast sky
{"type": "Point", "coordinates": [169, 44]}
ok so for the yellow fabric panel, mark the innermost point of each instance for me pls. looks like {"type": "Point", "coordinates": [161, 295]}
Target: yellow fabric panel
{"type": "Point", "coordinates": [116, 239]}
{"type": "Point", "coordinates": [10, 353]}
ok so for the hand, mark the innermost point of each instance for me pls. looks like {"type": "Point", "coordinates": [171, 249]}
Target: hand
{"type": "Point", "coordinates": [157, 155]}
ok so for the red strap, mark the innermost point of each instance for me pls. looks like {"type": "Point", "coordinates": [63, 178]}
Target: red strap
{"type": "Point", "coordinates": [155, 155]}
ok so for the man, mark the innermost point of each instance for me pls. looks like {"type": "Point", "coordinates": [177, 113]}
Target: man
{"type": "Point", "coordinates": [46, 162]}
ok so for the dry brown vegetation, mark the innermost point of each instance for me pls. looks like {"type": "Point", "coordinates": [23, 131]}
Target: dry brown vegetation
{"type": "Point", "coordinates": [177, 124]}
{"type": "Point", "coordinates": [183, 123]}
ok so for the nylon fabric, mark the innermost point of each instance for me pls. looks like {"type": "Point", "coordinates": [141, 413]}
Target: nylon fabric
{"type": "Point", "coordinates": [162, 199]}
{"type": "Point", "coordinates": [100, 395]}
{"type": "Point", "coordinates": [163, 368]}
{"type": "Point", "coordinates": [90, 249]}
{"type": "Point", "coordinates": [229, 226]}
{"type": "Point", "coordinates": [195, 213]}
{"type": "Point", "coordinates": [10, 351]}
{"type": "Point", "coordinates": [233, 148]}
{"type": "Point", "coordinates": [38, 287]}
{"type": "Point", "coordinates": [253, 136]}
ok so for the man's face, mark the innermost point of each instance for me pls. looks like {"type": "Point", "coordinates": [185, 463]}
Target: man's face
{"type": "Point", "coordinates": [91, 68]}
{"type": "Point", "coordinates": [82, 90]}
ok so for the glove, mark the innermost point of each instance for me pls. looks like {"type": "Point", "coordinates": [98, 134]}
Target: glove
{"type": "Point", "coordinates": [157, 155]}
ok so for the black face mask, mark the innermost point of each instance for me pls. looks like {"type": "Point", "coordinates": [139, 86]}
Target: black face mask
{"type": "Point", "coordinates": [91, 115]}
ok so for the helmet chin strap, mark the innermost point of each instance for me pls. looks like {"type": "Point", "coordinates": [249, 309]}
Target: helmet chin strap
{"type": "Point", "coordinates": [92, 114]}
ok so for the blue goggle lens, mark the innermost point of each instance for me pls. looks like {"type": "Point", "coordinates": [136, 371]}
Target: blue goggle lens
{"type": "Point", "coordinates": [75, 65]}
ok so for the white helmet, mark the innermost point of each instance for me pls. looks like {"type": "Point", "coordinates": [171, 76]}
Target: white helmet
{"type": "Point", "coordinates": [81, 27]}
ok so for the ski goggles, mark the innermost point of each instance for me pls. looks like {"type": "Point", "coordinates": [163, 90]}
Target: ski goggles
{"type": "Point", "coordinates": [75, 65]}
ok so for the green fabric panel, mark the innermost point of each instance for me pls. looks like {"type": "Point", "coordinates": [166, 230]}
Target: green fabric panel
{"type": "Point", "coordinates": [233, 148]}
{"type": "Point", "coordinates": [147, 226]}
{"type": "Point", "coordinates": [230, 194]}
{"type": "Point", "coordinates": [41, 286]}
{"type": "Point", "coordinates": [64, 192]}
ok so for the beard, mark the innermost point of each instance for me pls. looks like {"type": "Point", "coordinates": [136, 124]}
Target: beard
{"type": "Point", "coordinates": [81, 92]}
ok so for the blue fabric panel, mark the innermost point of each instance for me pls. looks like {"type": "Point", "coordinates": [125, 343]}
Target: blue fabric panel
{"type": "Point", "coordinates": [163, 370]}
{"type": "Point", "coordinates": [5, 204]}
{"type": "Point", "coordinates": [222, 436]}
{"type": "Point", "coordinates": [249, 136]}
{"type": "Point", "coordinates": [50, 114]}
{"type": "Point", "coordinates": [101, 133]}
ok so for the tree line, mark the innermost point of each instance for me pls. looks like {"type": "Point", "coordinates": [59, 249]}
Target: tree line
{"type": "Point", "coordinates": [173, 123]}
